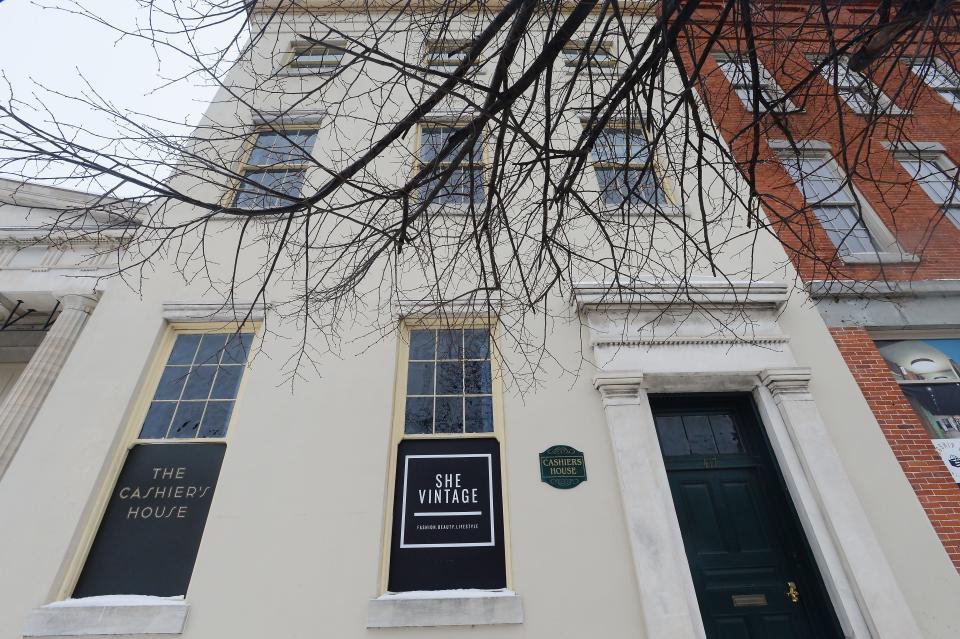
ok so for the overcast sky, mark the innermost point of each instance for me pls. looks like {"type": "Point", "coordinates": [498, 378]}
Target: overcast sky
{"type": "Point", "coordinates": [46, 48]}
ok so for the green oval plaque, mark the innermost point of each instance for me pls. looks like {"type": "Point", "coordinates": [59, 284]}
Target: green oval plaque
{"type": "Point", "coordinates": [562, 466]}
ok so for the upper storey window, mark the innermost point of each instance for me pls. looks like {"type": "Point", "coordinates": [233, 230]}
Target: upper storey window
{"type": "Point", "coordinates": [938, 75]}
{"type": "Point", "coordinates": [449, 382]}
{"type": "Point", "coordinates": [582, 54]}
{"type": "Point", "coordinates": [938, 178]}
{"type": "Point", "coordinates": [316, 55]}
{"type": "Point", "coordinates": [276, 167]}
{"type": "Point", "coordinates": [625, 171]}
{"type": "Point", "coordinates": [833, 202]}
{"type": "Point", "coordinates": [464, 184]}
{"type": "Point", "coordinates": [445, 57]}
{"type": "Point", "coordinates": [738, 73]}
{"type": "Point", "coordinates": [860, 94]}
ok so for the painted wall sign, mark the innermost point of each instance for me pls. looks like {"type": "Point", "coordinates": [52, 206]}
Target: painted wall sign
{"type": "Point", "coordinates": [949, 450]}
{"type": "Point", "coordinates": [448, 516]}
{"type": "Point", "coordinates": [562, 467]}
{"type": "Point", "coordinates": [148, 539]}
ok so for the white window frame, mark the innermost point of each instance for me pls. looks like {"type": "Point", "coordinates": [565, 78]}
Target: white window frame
{"type": "Point", "coordinates": [152, 615]}
{"type": "Point", "coordinates": [850, 83]}
{"type": "Point", "coordinates": [923, 67]}
{"type": "Point", "coordinates": [934, 153]}
{"type": "Point", "coordinates": [290, 65]}
{"type": "Point", "coordinates": [440, 203]}
{"type": "Point", "coordinates": [887, 249]}
{"type": "Point", "coordinates": [769, 88]}
{"type": "Point", "coordinates": [245, 166]}
{"type": "Point", "coordinates": [434, 50]}
{"type": "Point", "coordinates": [664, 206]}
{"type": "Point", "coordinates": [575, 55]}
{"type": "Point", "coordinates": [450, 608]}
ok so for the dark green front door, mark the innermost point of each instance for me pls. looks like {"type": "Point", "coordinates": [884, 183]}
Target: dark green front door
{"type": "Point", "coordinates": [752, 568]}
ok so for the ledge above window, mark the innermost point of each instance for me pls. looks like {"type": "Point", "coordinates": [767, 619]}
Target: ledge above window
{"type": "Point", "coordinates": [109, 615]}
{"type": "Point", "coordinates": [445, 608]}
{"type": "Point", "coordinates": [880, 257]}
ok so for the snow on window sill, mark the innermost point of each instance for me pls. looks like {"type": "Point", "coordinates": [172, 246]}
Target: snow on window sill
{"type": "Point", "coordinates": [467, 607]}
{"type": "Point", "coordinates": [108, 615]}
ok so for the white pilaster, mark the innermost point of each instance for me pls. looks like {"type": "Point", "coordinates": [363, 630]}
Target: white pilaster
{"type": "Point", "coordinates": [21, 405]}
{"type": "Point", "coordinates": [659, 561]}
{"type": "Point", "coordinates": [878, 594]}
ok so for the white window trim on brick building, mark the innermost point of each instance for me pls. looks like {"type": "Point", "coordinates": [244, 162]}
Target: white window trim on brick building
{"type": "Point", "coordinates": [855, 89]}
{"type": "Point", "coordinates": [939, 76]}
{"type": "Point", "coordinates": [928, 164]}
{"type": "Point", "coordinates": [886, 248]}
{"type": "Point", "coordinates": [737, 71]}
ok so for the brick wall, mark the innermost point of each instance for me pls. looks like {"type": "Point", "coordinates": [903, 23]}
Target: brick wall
{"type": "Point", "coordinates": [921, 463]}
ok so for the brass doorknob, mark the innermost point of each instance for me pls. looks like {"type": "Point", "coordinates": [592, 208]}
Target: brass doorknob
{"type": "Point", "coordinates": [792, 593]}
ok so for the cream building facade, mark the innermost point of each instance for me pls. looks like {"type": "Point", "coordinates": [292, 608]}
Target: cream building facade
{"type": "Point", "coordinates": [279, 509]}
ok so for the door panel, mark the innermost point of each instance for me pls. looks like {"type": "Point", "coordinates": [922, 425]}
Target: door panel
{"type": "Point", "coordinates": [741, 535]}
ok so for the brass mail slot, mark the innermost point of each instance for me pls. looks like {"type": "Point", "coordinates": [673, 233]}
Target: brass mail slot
{"type": "Point", "coordinates": [746, 601]}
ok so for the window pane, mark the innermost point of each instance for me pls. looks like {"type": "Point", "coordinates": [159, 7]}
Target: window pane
{"type": "Point", "coordinates": [449, 344]}
{"type": "Point", "coordinates": [186, 422]}
{"type": "Point", "coordinates": [185, 389]}
{"type": "Point", "coordinates": [418, 419]}
{"type": "Point", "coordinates": [699, 435]}
{"type": "Point", "coordinates": [423, 344]}
{"type": "Point", "coordinates": [267, 189]}
{"type": "Point", "coordinates": [449, 415]}
{"type": "Point", "coordinates": [171, 382]}
{"type": "Point", "coordinates": [434, 138]}
{"type": "Point", "coordinates": [463, 186]}
{"type": "Point", "coordinates": [479, 417]}
{"type": "Point", "coordinates": [282, 147]}
{"type": "Point", "coordinates": [673, 439]}
{"type": "Point", "coordinates": [619, 185]}
{"type": "Point", "coordinates": [420, 378]}
{"type": "Point", "coordinates": [318, 55]}
{"type": "Point", "coordinates": [184, 348]}
{"type": "Point", "coordinates": [726, 435]}
{"type": "Point", "coordinates": [450, 378]}
{"type": "Point", "coordinates": [237, 349]}
{"type": "Point", "coordinates": [199, 382]}
{"type": "Point", "coordinates": [476, 343]}
{"type": "Point", "coordinates": [477, 377]}
{"type": "Point", "coordinates": [227, 382]}
{"type": "Point", "coordinates": [211, 347]}
{"type": "Point", "coordinates": [215, 419]}
{"type": "Point", "coordinates": [157, 421]}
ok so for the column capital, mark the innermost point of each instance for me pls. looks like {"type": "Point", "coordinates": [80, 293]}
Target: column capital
{"type": "Point", "coordinates": [78, 302]}
{"type": "Point", "coordinates": [791, 382]}
{"type": "Point", "coordinates": [619, 387]}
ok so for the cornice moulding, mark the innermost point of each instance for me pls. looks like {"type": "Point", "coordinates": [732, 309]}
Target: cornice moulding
{"type": "Point", "coordinates": [305, 6]}
{"type": "Point", "coordinates": [855, 289]}
{"type": "Point", "coordinates": [236, 311]}
{"type": "Point", "coordinates": [712, 293]}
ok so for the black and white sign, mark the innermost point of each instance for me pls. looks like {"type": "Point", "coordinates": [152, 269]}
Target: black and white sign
{"type": "Point", "coordinates": [448, 516]}
{"type": "Point", "coordinates": [447, 501]}
{"type": "Point", "coordinates": [148, 539]}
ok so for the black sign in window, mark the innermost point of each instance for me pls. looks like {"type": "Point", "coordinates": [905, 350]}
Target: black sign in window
{"type": "Point", "coordinates": [447, 516]}
{"type": "Point", "coordinates": [149, 536]}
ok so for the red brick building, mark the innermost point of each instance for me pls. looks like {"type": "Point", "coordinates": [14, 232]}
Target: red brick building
{"type": "Point", "coordinates": [857, 174]}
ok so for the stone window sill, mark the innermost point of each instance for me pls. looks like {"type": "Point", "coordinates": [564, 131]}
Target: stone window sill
{"type": "Point", "coordinates": [444, 608]}
{"type": "Point", "coordinates": [109, 615]}
{"type": "Point", "coordinates": [881, 257]}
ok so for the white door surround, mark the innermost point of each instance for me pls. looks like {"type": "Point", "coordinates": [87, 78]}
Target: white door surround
{"type": "Point", "coordinates": [713, 335]}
